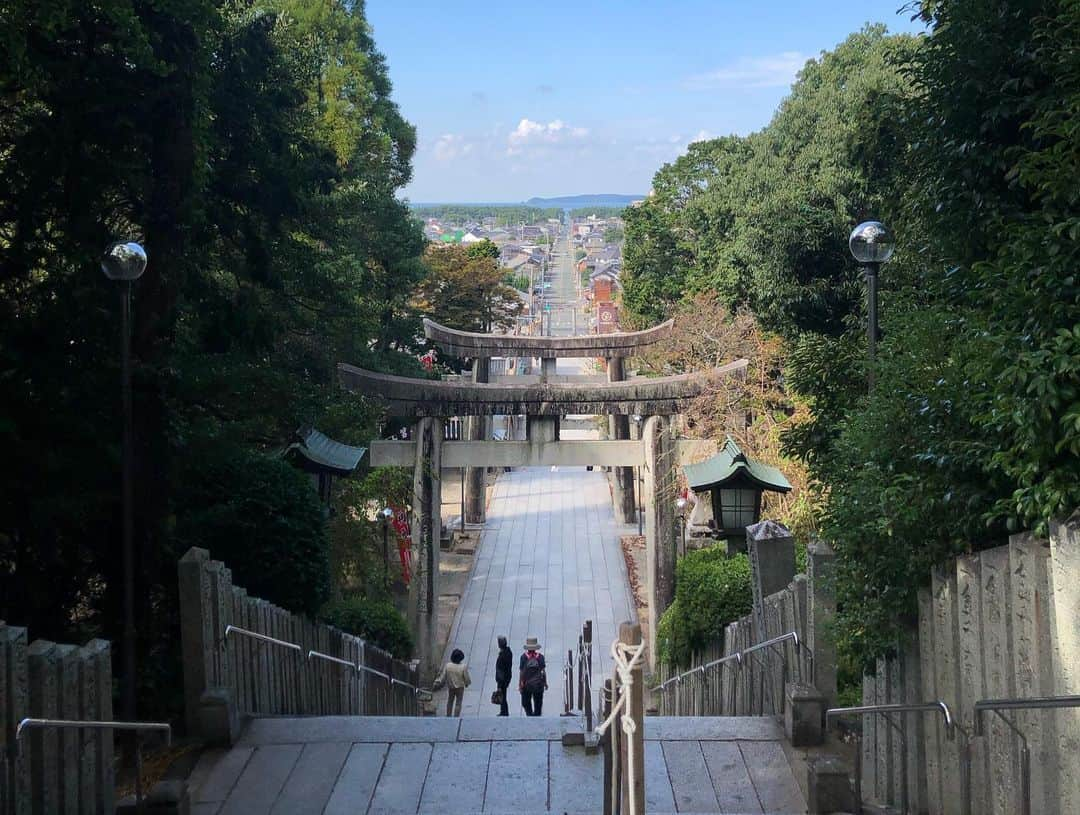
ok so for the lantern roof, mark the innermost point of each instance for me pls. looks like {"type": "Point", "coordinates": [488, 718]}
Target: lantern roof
{"type": "Point", "coordinates": [318, 453]}
{"type": "Point", "coordinates": [731, 465]}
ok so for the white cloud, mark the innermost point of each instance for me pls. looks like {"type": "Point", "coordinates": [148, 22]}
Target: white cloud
{"type": "Point", "coordinates": [529, 134]}
{"type": "Point", "coordinates": [702, 135]}
{"type": "Point", "coordinates": [773, 71]}
{"type": "Point", "coordinates": [450, 146]}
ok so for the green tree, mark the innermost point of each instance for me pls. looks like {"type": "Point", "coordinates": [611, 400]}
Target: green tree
{"type": "Point", "coordinates": [466, 290]}
{"type": "Point", "coordinates": [258, 154]}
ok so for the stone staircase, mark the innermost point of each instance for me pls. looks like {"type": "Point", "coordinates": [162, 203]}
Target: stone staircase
{"type": "Point", "coordinates": [383, 765]}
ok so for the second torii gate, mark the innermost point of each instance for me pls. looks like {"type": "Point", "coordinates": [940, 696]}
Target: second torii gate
{"type": "Point", "coordinates": [613, 348]}
{"type": "Point", "coordinates": [657, 452]}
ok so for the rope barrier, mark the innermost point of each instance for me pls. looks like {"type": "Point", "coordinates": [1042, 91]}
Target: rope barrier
{"type": "Point", "coordinates": [624, 668]}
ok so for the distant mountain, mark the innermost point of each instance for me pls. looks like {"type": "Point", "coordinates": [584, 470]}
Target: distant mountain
{"type": "Point", "coordinates": [585, 201]}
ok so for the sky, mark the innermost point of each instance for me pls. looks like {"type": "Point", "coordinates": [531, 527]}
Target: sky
{"type": "Point", "coordinates": [517, 99]}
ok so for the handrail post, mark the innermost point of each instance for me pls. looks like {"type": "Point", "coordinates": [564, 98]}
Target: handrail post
{"type": "Point", "coordinates": [605, 745]}
{"type": "Point", "coordinates": [633, 785]}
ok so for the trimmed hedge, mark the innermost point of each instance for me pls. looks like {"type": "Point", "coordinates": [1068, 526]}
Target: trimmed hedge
{"type": "Point", "coordinates": [711, 590]}
{"type": "Point", "coordinates": [376, 621]}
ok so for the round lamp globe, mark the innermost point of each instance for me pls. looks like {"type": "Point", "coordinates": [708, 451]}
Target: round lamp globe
{"type": "Point", "coordinates": [871, 242]}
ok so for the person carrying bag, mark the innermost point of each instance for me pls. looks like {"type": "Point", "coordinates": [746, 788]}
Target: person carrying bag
{"type": "Point", "coordinates": [504, 667]}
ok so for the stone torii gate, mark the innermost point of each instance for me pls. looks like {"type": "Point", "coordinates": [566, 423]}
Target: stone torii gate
{"type": "Point", "coordinates": [429, 402]}
{"type": "Point", "coordinates": [613, 348]}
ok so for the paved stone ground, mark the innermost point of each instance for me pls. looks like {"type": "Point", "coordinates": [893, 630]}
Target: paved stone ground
{"type": "Point", "coordinates": [379, 766]}
{"type": "Point", "coordinates": [549, 559]}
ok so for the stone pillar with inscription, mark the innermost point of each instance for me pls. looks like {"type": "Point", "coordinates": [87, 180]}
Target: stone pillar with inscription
{"type": "Point", "coordinates": [771, 548]}
{"type": "Point", "coordinates": [659, 488]}
{"type": "Point", "coordinates": [426, 530]}
{"type": "Point", "coordinates": [622, 480]}
{"type": "Point", "coordinates": [479, 429]}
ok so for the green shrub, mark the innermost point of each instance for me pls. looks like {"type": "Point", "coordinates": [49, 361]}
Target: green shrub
{"type": "Point", "coordinates": [262, 518]}
{"type": "Point", "coordinates": [376, 621]}
{"type": "Point", "coordinates": [711, 591]}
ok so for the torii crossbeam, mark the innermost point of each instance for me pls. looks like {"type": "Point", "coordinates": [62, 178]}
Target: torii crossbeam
{"type": "Point", "coordinates": [662, 396]}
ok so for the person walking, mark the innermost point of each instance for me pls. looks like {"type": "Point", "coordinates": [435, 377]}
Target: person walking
{"type": "Point", "coordinates": [504, 672]}
{"type": "Point", "coordinates": [455, 675]}
{"type": "Point", "coordinates": [532, 678]}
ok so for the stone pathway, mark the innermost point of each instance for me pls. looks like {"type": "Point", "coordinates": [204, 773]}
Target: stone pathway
{"type": "Point", "coordinates": [549, 559]}
{"type": "Point", "coordinates": [357, 765]}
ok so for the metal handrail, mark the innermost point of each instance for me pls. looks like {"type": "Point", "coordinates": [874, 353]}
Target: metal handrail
{"type": "Point", "coordinates": [30, 723]}
{"type": "Point", "coordinates": [997, 707]}
{"type": "Point", "coordinates": [737, 656]}
{"type": "Point", "coordinates": [886, 710]}
{"type": "Point", "coordinates": [916, 707]}
{"type": "Point", "coordinates": [358, 667]}
{"type": "Point", "coordinates": [255, 635]}
{"type": "Point", "coordinates": [292, 646]}
{"type": "Point", "coordinates": [1031, 703]}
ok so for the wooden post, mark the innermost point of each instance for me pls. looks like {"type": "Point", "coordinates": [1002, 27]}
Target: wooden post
{"type": "Point", "coordinates": [632, 749]}
{"type": "Point", "coordinates": [586, 670]}
{"type": "Point", "coordinates": [605, 745]}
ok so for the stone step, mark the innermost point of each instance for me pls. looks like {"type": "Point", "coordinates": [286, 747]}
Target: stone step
{"type": "Point", "coordinates": [308, 729]}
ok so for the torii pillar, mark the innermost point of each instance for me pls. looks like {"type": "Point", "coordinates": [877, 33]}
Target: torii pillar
{"type": "Point", "coordinates": [478, 430]}
{"type": "Point", "coordinates": [426, 531]}
{"type": "Point", "coordinates": [660, 488]}
{"type": "Point", "coordinates": [622, 481]}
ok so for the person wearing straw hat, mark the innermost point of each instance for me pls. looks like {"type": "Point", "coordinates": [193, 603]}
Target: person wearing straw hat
{"type": "Point", "coordinates": [532, 678]}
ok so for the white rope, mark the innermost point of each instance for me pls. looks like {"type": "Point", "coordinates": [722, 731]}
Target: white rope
{"type": "Point", "coordinates": [626, 659]}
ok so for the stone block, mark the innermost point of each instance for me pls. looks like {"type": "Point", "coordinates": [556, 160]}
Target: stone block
{"type": "Point", "coordinates": [573, 738]}
{"type": "Point", "coordinates": [592, 743]}
{"type": "Point", "coordinates": [775, 555]}
{"type": "Point", "coordinates": [168, 797]}
{"type": "Point", "coordinates": [804, 715]}
{"type": "Point", "coordinates": [218, 720]}
{"type": "Point", "coordinates": [828, 786]}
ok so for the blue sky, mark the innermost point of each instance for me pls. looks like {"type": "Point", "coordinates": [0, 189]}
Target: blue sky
{"type": "Point", "coordinates": [518, 99]}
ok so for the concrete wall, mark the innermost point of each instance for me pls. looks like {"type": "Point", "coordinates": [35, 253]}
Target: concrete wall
{"type": "Point", "coordinates": [226, 679]}
{"type": "Point", "coordinates": [1001, 623]}
{"type": "Point", "coordinates": [55, 771]}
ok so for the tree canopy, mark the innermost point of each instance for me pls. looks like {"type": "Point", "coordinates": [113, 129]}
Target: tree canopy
{"type": "Point", "coordinates": [259, 156]}
{"type": "Point", "coordinates": [964, 142]}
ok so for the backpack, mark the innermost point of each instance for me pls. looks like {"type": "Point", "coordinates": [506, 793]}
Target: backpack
{"type": "Point", "coordinates": [534, 671]}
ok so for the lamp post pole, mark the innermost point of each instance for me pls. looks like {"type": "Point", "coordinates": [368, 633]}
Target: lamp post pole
{"type": "Point", "coordinates": [871, 244]}
{"type": "Point", "coordinates": [125, 262]}
{"type": "Point", "coordinates": [128, 496]}
{"type": "Point", "coordinates": [871, 272]}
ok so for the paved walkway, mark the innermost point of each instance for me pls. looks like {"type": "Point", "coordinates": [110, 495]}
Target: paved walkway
{"type": "Point", "coordinates": [549, 559]}
{"type": "Point", "coordinates": [356, 765]}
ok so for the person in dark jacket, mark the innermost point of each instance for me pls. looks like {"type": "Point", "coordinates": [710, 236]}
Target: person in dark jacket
{"type": "Point", "coordinates": [504, 672]}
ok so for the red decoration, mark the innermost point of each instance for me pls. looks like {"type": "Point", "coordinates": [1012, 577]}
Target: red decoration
{"type": "Point", "coordinates": [400, 523]}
